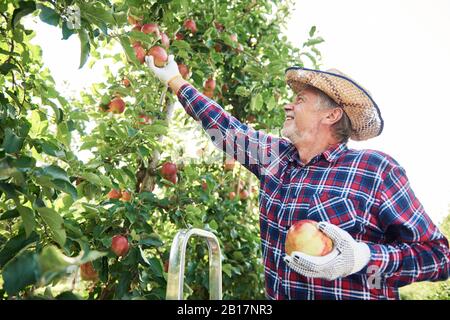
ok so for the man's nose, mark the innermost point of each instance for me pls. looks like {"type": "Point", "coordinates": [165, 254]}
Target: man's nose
{"type": "Point", "coordinates": [288, 107]}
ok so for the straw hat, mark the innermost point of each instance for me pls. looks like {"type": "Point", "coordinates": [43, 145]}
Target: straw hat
{"type": "Point", "coordinates": [356, 101]}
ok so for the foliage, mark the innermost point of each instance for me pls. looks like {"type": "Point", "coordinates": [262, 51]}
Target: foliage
{"type": "Point", "coordinates": [55, 214]}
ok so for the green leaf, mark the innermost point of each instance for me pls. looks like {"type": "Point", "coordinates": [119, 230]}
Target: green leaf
{"type": "Point", "coordinates": [7, 67]}
{"type": "Point", "coordinates": [85, 47]}
{"type": "Point", "coordinates": [66, 32]}
{"type": "Point", "coordinates": [155, 267]}
{"type": "Point", "coordinates": [10, 214]}
{"type": "Point", "coordinates": [257, 102]}
{"type": "Point", "coordinates": [29, 221]}
{"type": "Point", "coordinates": [66, 187]}
{"type": "Point", "coordinates": [20, 272]}
{"type": "Point", "coordinates": [52, 149]}
{"type": "Point", "coordinates": [51, 259]}
{"type": "Point", "coordinates": [151, 242]}
{"type": "Point", "coordinates": [55, 222]}
{"type": "Point", "coordinates": [24, 162]}
{"type": "Point", "coordinates": [10, 190]}
{"type": "Point", "coordinates": [48, 15]}
{"type": "Point", "coordinates": [124, 284]}
{"type": "Point", "coordinates": [129, 51]}
{"type": "Point", "coordinates": [92, 178]}
{"type": "Point", "coordinates": [55, 172]}
{"type": "Point", "coordinates": [12, 143]}
{"type": "Point", "coordinates": [312, 31]}
{"type": "Point", "coordinates": [14, 245]}
{"type": "Point", "coordinates": [312, 42]}
{"type": "Point", "coordinates": [25, 8]}
{"type": "Point", "coordinates": [95, 13]}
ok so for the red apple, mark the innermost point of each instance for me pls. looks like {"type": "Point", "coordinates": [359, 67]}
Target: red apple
{"type": "Point", "coordinates": [165, 40]}
{"type": "Point", "coordinates": [168, 169]}
{"type": "Point", "coordinates": [190, 25]}
{"type": "Point", "coordinates": [173, 178]}
{"type": "Point", "coordinates": [218, 47]}
{"type": "Point", "coordinates": [184, 70]}
{"type": "Point", "coordinates": [126, 82]}
{"type": "Point", "coordinates": [115, 194]}
{"type": "Point", "coordinates": [243, 194]}
{"type": "Point", "coordinates": [144, 119]}
{"type": "Point", "coordinates": [137, 27]}
{"type": "Point", "coordinates": [139, 52]}
{"type": "Point", "coordinates": [204, 185]}
{"type": "Point", "coordinates": [229, 164]}
{"type": "Point", "coordinates": [150, 28]}
{"type": "Point", "coordinates": [117, 105]}
{"type": "Point", "coordinates": [166, 266]}
{"type": "Point", "coordinates": [126, 196]}
{"type": "Point", "coordinates": [159, 55]}
{"type": "Point", "coordinates": [224, 88]}
{"type": "Point", "coordinates": [88, 272]}
{"type": "Point", "coordinates": [179, 36]}
{"type": "Point", "coordinates": [210, 84]}
{"type": "Point", "coordinates": [304, 236]}
{"type": "Point", "coordinates": [231, 195]}
{"type": "Point", "coordinates": [119, 245]}
{"type": "Point", "coordinates": [251, 118]}
{"type": "Point", "coordinates": [208, 93]}
{"type": "Point", "coordinates": [219, 27]}
{"type": "Point", "coordinates": [234, 37]}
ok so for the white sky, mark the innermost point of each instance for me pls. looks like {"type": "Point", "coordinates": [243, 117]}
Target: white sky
{"type": "Point", "coordinates": [399, 50]}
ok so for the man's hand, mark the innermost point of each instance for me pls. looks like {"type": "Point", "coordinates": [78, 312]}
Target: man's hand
{"type": "Point", "coordinates": [166, 74]}
{"type": "Point", "coordinates": [348, 256]}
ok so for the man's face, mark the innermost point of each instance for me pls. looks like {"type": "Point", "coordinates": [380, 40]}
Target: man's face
{"type": "Point", "coordinates": [303, 118]}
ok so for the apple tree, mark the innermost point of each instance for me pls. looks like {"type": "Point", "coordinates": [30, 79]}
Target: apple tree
{"type": "Point", "coordinates": [100, 227]}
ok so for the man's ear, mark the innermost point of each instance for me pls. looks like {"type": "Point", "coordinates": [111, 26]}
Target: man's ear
{"type": "Point", "coordinates": [333, 116]}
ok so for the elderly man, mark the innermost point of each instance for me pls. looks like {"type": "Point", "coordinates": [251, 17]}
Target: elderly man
{"type": "Point", "coordinates": [382, 237]}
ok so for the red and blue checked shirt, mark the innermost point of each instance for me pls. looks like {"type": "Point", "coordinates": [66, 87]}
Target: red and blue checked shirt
{"type": "Point", "coordinates": [364, 192]}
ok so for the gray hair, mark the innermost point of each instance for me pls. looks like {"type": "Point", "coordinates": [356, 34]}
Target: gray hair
{"type": "Point", "coordinates": [342, 129]}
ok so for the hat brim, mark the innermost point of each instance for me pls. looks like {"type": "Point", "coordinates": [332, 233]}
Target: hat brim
{"type": "Point", "coordinates": [356, 101]}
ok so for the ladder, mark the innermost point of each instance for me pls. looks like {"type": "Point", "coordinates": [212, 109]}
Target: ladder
{"type": "Point", "coordinates": [175, 278]}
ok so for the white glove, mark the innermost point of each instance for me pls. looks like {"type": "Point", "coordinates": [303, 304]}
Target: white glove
{"type": "Point", "coordinates": [167, 73]}
{"type": "Point", "coordinates": [347, 257]}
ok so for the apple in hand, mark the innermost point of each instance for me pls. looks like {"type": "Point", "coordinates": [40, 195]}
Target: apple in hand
{"type": "Point", "coordinates": [304, 236]}
{"type": "Point", "coordinates": [119, 245]}
{"type": "Point", "coordinates": [159, 55]}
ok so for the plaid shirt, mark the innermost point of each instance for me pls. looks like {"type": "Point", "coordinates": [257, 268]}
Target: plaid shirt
{"type": "Point", "coordinates": [364, 192]}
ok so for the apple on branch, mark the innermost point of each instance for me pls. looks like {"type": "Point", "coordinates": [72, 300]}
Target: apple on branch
{"type": "Point", "coordinates": [119, 245]}
{"type": "Point", "coordinates": [115, 194]}
{"type": "Point", "coordinates": [150, 28]}
{"type": "Point", "coordinates": [87, 272]}
{"type": "Point", "coordinates": [117, 105]}
{"type": "Point", "coordinates": [190, 25]}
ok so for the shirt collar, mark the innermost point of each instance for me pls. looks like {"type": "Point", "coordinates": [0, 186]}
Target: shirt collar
{"type": "Point", "coordinates": [331, 154]}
